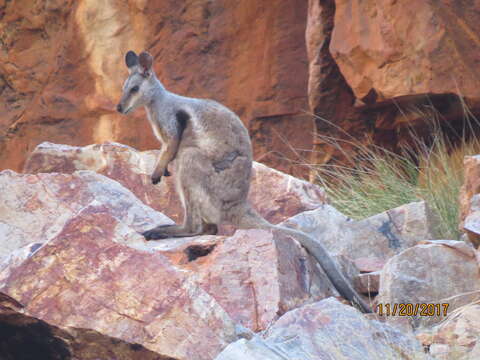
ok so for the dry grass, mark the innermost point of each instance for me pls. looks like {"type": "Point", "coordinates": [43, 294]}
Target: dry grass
{"type": "Point", "coordinates": [378, 180]}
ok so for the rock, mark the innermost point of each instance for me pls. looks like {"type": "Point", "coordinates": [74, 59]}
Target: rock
{"type": "Point", "coordinates": [440, 351]}
{"type": "Point", "coordinates": [323, 331]}
{"type": "Point", "coordinates": [330, 97]}
{"type": "Point", "coordinates": [255, 275]}
{"type": "Point", "coordinates": [457, 337]}
{"type": "Point", "coordinates": [471, 224]}
{"type": "Point", "coordinates": [372, 241]}
{"type": "Point", "coordinates": [35, 208]}
{"type": "Point", "coordinates": [83, 278]}
{"type": "Point", "coordinates": [277, 196]}
{"type": "Point", "coordinates": [378, 50]}
{"type": "Point", "coordinates": [129, 167]}
{"type": "Point", "coordinates": [367, 283]}
{"type": "Point", "coordinates": [469, 200]}
{"type": "Point", "coordinates": [471, 184]}
{"type": "Point", "coordinates": [379, 237]}
{"type": "Point", "coordinates": [434, 272]}
{"type": "Point", "coordinates": [24, 336]}
{"type": "Point", "coordinates": [62, 70]}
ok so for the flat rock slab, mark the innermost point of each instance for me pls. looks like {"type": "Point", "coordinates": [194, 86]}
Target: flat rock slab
{"type": "Point", "coordinates": [325, 330]}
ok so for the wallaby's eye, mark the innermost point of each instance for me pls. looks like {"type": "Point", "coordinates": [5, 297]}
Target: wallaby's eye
{"type": "Point", "coordinates": [134, 89]}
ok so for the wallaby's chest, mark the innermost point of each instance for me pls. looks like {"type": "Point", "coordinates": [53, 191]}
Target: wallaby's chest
{"type": "Point", "coordinates": [159, 132]}
{"type": "Point", "coordinates": [162, 130]}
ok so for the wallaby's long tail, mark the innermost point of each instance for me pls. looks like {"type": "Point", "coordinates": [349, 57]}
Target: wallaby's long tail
{"type": "Point", "coordinates": [252, 220]}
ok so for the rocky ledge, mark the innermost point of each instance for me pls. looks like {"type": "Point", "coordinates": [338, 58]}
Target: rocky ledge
{"type": "Point", "coordinates": [77, 281]}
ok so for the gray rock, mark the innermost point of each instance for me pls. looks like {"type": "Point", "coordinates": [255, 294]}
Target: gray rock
{"type": "Point", "coordinates": [434, 272]}
{"type": "Point", "coordinates": [326, 330]}
{"type": "Point", "coordinates": [372, 241]}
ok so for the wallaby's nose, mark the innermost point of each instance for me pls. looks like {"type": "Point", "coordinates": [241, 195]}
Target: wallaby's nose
{"type": "Point", "coordinates": [119, 108]}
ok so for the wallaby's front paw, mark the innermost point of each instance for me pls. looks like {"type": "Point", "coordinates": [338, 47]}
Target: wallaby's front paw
{"type": "Point", "coordinates": [166, 173]}
{"type": "Point", "coordinates": [156, 179]}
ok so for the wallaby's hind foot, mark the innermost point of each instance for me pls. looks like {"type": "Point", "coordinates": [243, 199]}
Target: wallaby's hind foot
{"type": "Point", "coordinates": [169, 231]}
{"type": "Point", "coordinates": [210, 229]}
{"type": "Point", "coordinates": [157, 233]}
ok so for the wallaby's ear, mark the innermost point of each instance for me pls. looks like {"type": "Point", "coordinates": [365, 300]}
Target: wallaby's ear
{"type": "Point", "coordinates": [145, 60]}
{"type": "Point", "coordinates": [131, 59]}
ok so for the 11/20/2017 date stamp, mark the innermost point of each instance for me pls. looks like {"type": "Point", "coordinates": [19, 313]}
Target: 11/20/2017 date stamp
{"type": "Point", "coordinates": [409, 309]}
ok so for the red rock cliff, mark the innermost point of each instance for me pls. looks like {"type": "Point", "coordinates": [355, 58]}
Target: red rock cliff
{"type": "Point", "coordinates": [369, 64]}
{"type": "Point", "coordinates": [62, 69]}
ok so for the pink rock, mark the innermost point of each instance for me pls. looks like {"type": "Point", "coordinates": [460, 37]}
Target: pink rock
{"type": "Point", "coordinates": [276, 195]}
{"type": "Point", "coordinates": [25, 335]}
{"type": "Point", "coordinates": [255, 275]}
{"type": "Point", "coordinates": [89, 224]}
{"type": "Point", "coordinates": [36, 207]}
{"type": "Point", "coordinates": [458, 335]}
{"type": "Point", "coordinates": [82, 278]}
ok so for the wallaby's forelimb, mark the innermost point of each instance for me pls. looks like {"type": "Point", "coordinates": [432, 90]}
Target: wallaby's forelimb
{"type": "Point", "coordinates": [168, 152]}
{"type": "Point", "coordinates": [252, 219]}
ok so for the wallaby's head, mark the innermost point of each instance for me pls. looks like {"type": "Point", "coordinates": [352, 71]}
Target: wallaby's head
{"type": "Point", "coordinates": [139, 87]}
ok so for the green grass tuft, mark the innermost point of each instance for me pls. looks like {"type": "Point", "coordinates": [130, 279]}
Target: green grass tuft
{"type": "Point", "coordinates": [379, 180]}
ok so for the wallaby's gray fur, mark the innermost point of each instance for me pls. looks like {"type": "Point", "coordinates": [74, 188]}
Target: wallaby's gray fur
{"type": "Point", "coordinates": [213, 164]}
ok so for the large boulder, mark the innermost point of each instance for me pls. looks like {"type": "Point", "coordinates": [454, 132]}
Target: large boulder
{"type": "Point", "coordinates": [255, 275]}
{"type": "Point", "coordinates": [79, 234]}
{"type": "Point", "coordinates": [369, 242]}
{"type": "Point", "coordinates": [276, 195]}
{"type": "Point", "coordinates": [26, 337]}
{"type": "Point", "coordinates": [35, 208]}
{"type": "Point", "coordinates": [325, 330]}
{"type": "Point", "coordinates": [470, 199]}
{"type": "Point", "coordinates": [434, 272]}
{"type": "Point", "coordinates": [383, 47]}
{"type": "Point", "coordinates": [82, 278]}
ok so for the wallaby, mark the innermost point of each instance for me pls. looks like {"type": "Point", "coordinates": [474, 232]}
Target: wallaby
{"type": "Point", "coordinates": [213, 164]}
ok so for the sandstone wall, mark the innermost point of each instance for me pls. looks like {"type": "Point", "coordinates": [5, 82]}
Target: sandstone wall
{"type": "Point", "coordinates": [62, 69]}
{"type": "Point", "coordinates": [372, 69]}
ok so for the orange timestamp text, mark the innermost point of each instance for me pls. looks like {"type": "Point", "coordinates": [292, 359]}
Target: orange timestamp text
{"type": "Point", "coordinates": [409, 309]}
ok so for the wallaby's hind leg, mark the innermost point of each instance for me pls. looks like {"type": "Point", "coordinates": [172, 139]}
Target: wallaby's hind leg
{"type": "Point", "coordinates": [192, 173]}
{"type": "Point", "coordinates": [192, 226]}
